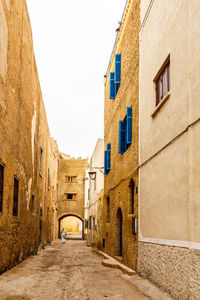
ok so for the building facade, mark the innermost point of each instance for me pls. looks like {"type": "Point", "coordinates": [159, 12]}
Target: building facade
{"type": "Point", "coordinates": [96, 185]}
{"type": "Point", "coordinates": [28, 156]}
{"type": "Point", "coordinates": [121, 141]}
{"type": "Point", "coordinates": [169, 113]}
{"type": "Point", "coordinates": [71, 190]}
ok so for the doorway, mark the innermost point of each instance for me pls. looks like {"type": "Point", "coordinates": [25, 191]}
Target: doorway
{"type": "Point", "coordinates": [119, 233]}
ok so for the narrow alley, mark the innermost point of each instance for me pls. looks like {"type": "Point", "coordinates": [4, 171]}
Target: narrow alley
{"type": "Point", "coordinates": [69, 271]}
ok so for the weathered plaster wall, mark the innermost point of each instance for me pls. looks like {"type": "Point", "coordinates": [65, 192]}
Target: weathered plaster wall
{"type": "Point", "coordinates": [123, 167]}
{"type": "Point", "coordinates": [23, 130]}
{"type": "Point", "coordinates": [169, 149]}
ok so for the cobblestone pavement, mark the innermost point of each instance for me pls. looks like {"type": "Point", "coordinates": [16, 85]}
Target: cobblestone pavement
{"type": "Point", "coordinates": [66, 271]}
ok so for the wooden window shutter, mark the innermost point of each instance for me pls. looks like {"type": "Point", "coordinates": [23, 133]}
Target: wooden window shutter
{"type": "Point", "coordinates": [117, 68]}
{"type": "Point", "coordinates": [112, 86]}
{"type": "Point", "coordinates": [129, 125]}
{"type": "Point", "coordinates": [108, 156]}
{"type": "Point", "coordinates": [105, 163]}
{"type": "Point", "coordinates": [122, 137]}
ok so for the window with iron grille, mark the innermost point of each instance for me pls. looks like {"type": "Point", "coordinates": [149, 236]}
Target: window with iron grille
{"type": "Point", "coordinates": [70, 179]}
{"type": "Point", "coordinates": [163, 83]}
{"type": "Point", "coordinates": [15, 197]}
{"type": "Point", "coordinates": [1, 187]}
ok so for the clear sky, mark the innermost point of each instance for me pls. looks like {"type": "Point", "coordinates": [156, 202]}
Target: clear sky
{"type": "Point", "coordinates": [73, 41]}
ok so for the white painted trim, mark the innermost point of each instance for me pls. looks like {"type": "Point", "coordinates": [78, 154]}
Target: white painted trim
{"type": "Point", "coordinates": [182, 244]}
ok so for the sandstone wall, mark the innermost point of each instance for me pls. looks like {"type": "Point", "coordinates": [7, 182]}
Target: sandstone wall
{"type": "Point", "coordinates": [123, 166]}
{"type": "Point", "coordinates": [71, 168]}
{"type": "Point", "coordinates": [23, 131]}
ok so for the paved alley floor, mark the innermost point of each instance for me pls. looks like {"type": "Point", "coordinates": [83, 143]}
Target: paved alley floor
{"type": "Point", "coordinates": [64, 272]}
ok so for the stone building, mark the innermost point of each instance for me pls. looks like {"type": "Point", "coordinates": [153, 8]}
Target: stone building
{"type": "Point", "coordinates": [96, 185]}
{"type": "Point", "coordinates": [169, 194]}
{"type": "Point", "coordinates": [121, 141]}
{"type": "Point", "coordinates": [28, 156]}
{"type": "Point", "coordinates": [71, 189]}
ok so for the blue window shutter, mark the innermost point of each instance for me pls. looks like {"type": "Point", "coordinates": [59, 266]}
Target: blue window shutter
{"type": "Point", "coordinates": [108, 156]}
{"type": "Point", "coordinates": [109, 146]}
{"type": "Point", "coordinates": [112, 85]}
{"type": "Point", "coordinates": [117, 85]}
{"type": "Point", "coordinates": [129, 126]}
{"type": "Point", "coordinates": [122, 137]}
{"type": "Point", "coordinates": [117, 68]}
{"type": "Point", "coordinates": [105, 163]}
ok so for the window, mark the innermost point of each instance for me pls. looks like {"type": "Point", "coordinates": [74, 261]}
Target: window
{"type": "Point", "coordinates": [71, 196]}
{"type": "Point", "coordinates": [125, 131]}
{"type": "Point", "coordinates": [15, 197]}
{"type": "Point", "coordinates": [108, 209]}
{"type": "Point", "coordinates": [90, 223]}
{"type": "Point", "coordinates": [41, 157]}
{"type": "Point", "coordinates": [32, 203]}
{"type": "Point", "coordinates": [1, 187]}
{"type": "Point", "coordinates": [41, 211]}
{"type": "Point", "coordinates": [93, 227]}
{"type": "Point", "coordinates": [86, 224]}
{"type": "Point", "coordinates": [163, 83]}
{"type": "Point", "coordinates": [134, 226]}
{"type": "Point", "coordinates": [71, 179]}
{"type": "Point", "coordinates": [107, 157]}
{"type": "Point", "coordinates": [115, 77]}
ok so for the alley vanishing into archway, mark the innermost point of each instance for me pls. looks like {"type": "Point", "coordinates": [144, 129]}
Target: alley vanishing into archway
{"type": "Point", "coordinates": [69, 271]}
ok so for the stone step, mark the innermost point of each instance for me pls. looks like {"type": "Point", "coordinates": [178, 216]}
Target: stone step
{"type": "Point", "coordinates": [113, 263]}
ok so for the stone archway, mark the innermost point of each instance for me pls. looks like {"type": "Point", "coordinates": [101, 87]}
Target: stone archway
{"type": "Point", "coordinates": [60, 218]}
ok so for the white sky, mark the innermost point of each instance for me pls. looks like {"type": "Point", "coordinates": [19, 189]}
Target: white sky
{"type": "Point", "coordinates": [73, 41]}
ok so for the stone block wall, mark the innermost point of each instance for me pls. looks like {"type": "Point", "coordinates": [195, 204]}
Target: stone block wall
{"type": "Point", "coordinates": [123, 166]}
{"type": "Point", "coordinates": [174, 269]}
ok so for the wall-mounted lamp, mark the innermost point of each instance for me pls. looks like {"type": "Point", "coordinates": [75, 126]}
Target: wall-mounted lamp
{"type": "Point", "coordinates": [92, 175]}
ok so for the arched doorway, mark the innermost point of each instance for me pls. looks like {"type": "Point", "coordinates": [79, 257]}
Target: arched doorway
{"type": "Point", "coordinates": [119, 233]}
{"type": "Point", "coordinates": [73, 225]}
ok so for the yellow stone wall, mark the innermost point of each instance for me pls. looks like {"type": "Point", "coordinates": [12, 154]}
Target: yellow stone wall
{"type": "Point", "coordinates": [23, 130]}
{"type": "Point", "coordinates": [123, 167]}
{"type": "Point", "coordinates": [74, 168]}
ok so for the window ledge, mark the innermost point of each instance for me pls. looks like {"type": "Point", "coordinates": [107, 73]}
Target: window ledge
{"type": "Point", "coordinates": [158, 107]}
{"type": "Point", "coordinates": [71, 199]}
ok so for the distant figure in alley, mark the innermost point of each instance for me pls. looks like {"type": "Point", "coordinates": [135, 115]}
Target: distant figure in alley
{"type": "Point", "coordinates": [63, 235]}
